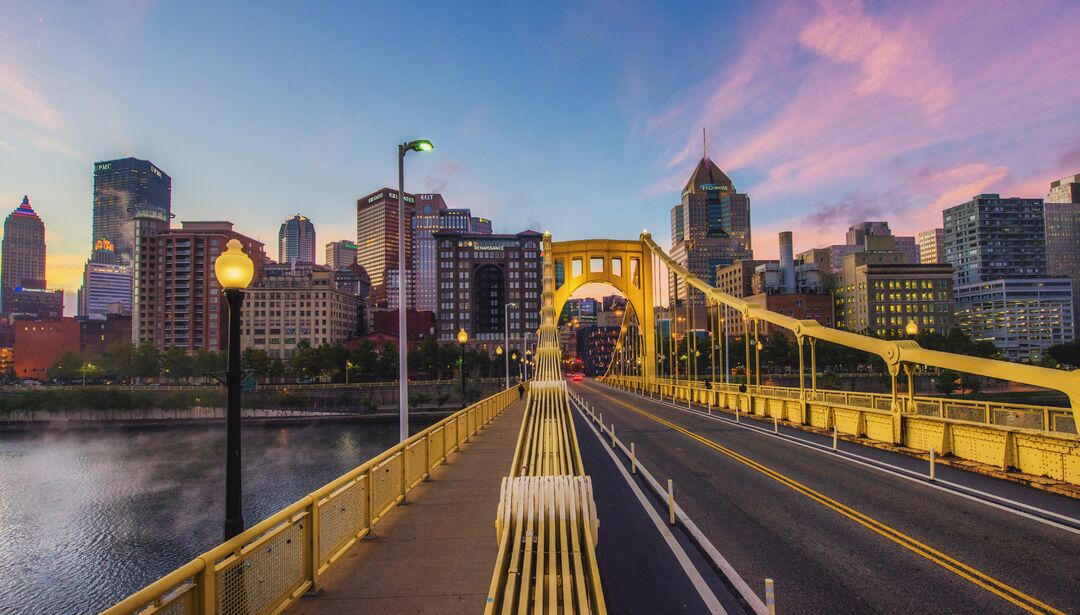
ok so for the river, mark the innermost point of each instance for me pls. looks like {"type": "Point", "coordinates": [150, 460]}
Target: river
{"type": "Point", "coordinates": [88, 516]}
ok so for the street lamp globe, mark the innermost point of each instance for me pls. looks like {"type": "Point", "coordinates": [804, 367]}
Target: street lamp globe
{"type": "Point", "coordinates": [462, 336]}
{"type": "Point", "coordinates": [912, 328]}
{"type": "Point", "coordinates": [498, 350]}
{"type": "Point", "coordinates": [233, 268]}
{"type": "Point", "coordinates": [759, 345]}
{"type": "Point", "coordinates": [420, 145]}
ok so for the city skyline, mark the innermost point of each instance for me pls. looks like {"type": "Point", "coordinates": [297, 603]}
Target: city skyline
{"type": "Point", "coordinates": [898, 124]}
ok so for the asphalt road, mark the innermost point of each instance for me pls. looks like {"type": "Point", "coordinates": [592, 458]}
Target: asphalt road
{"type": "Point", "coordinates": [838, 537]}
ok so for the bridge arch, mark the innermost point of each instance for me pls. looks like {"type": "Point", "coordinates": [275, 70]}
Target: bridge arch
{"type": "Point", "coordinates": [625, 265]}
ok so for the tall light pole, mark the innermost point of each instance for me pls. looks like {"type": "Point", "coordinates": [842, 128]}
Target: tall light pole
{"type": "Point", "coordinates": [462, 339]}
{"type": "Point", "coordinates": [234, 271]}
{"type": "Point", "coordinates": [403, 352]}
{"type": "Point", "coordinates": [498, 353]}
{"type": "Point", "coordinates": [506, 334]}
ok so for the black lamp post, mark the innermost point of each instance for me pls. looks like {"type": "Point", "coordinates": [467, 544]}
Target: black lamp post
{"type": "Point", "coordinates": [234, 271]}
{"type": "Point", "coordinates": [462, 338]}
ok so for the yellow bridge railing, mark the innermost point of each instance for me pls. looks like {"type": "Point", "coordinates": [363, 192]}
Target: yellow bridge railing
{"type": "Point", "coordinates": [546, 523]}
{"type": "Point", "coordinates": [270, 565]}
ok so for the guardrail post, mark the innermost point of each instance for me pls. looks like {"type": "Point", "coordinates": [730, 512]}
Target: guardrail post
{"type": "Point", "coordinates": [770, 597]}
{"type": "Point", "coordinates": [612, 430]}
{"type": "Point", "coordinates": [313, 544]}
{"type": "Point", "coordinates": [775, 425]}
{"type": "Point", "coordinates": [671, 502]}
{"type": "Point", "coordinates": [835, 438]}
{"type": "Point", "coordinates": [932, 463]}
{"type": "Point", "coordinates": [633, 459]}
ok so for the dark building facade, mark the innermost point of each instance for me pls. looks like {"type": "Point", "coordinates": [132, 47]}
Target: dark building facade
{"type": "Point", "coordinates": [595, 346]}
{"type": "Point", "coordinates": [991, 238]}
{"type": "Point", "coordinates": [1062, 218]}
{"type": "Point", "coordinates": [710, 227]}
{"type": "Point", "coordinates": [478, 275]}
{"type": "Point", "coordinates": [121, 188]}
{"type": "Point", "coordinates": [23, 265]}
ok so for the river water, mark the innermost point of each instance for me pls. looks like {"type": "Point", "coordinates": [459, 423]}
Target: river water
{"type": "Point", "coordinates": [88, 516]}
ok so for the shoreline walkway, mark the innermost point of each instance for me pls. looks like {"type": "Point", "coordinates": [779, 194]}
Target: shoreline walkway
{"type": "Point", "coordinates": [436, 553]}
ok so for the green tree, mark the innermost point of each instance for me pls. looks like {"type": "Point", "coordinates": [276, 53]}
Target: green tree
{"type": "Point", "coordinates": [364, 360]}
{"type": "Point", "coordinates": [145, 361]}
{"type": "Point", "coordinates": [118, 359]}
{"type": "Point", "coordinates": [387, 364]}
{"type": "Point", "coordinates": [176, 364]}
{"type": "Point", "coordinates": [67, 366]}
{"type": "Point", "coordinates": [305, 362]}
{"type": "Point", "coordinates": [255, 361]}
{"type": "Point", "coordinates": [1066, 354]}
{"type": "Point", "coordinates": [947, 381]}
{"type": "Point", "coordinates": [205, 362]}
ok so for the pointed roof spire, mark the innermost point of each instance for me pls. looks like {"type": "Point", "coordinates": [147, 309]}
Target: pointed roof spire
{"type": "Point", "coordinates": [706, 177]}
{"type": "Point", "coordinates": [24, 208]}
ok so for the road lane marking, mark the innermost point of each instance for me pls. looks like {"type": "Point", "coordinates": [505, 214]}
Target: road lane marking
{"type": "Point", "coordinates": [999, 588]}
{"type": "Point", "coordinates": [703, 589]}
{"type": "Point", "coordinates": [1034, 513]}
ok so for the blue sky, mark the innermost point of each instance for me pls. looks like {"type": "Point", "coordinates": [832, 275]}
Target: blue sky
{"type": "Point", "coordinates": [580, 118]}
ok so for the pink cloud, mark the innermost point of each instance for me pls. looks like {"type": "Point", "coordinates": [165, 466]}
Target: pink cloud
{"type": "Point", "coordinates": [22, 98]}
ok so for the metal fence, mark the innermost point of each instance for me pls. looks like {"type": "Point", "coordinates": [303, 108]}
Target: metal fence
{"type": "Point", "coordinates": [270, 565]}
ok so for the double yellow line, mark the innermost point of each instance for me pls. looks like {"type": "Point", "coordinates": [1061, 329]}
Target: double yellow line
{"type": "Point", "coordinates": [1013, 595]}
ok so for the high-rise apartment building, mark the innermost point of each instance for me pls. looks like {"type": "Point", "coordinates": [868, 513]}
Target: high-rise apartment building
{"type": "Point", "coordinates": [478, 276]}
{"type": "Point", "coordinates": [709, 227]}
{"type": "Point", "coordinates": [296, 241]}
{"type": "Point", "coordinates": [579, 312]}
{"type": "Point", "coordinates": [23, 252]}
{"type": "Point", "coordinates": [377, 239]}
{"type": "Point", "coordinates": [931, 246]}
{"type": "Point", "coordinates": [1062, 219]}
{"type": "Point", "coordinates": [122, 187]}
{"type": "Point", "coordinates": [340, 254]}
{"type": "Point", "coordinates": [189, 310]}
{"type": "Point", "coordinates": [1002, 288]}
{"type": "Point", "coordinates": [294, 304]}
{"type": "Point", "coordinates": [149, 223]}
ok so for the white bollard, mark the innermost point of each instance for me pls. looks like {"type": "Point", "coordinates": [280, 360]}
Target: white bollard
{"type": "Point", "coordinates": [612, 430]}
{"type": "Point", "coordinates": [834, 437]}
{"type": "Point", "coordinates": [736, 414]}
{"type": "Point", "coordinates": [633, 459]}
{"type": "Point", "coordinates": [932, 463]}
{"type": "Point", "coordinates": [671, 502]}
{"type": "Point", "coordinates": [770, 597]}
{"type": "Point", "coordinates": [775, 425]}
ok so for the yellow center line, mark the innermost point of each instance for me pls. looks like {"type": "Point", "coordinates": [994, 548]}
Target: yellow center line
{"type": "Point", "coordinates": [1013, 595]}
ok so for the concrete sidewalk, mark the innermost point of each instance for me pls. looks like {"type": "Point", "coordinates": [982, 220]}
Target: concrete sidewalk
{"type": "Point", "coordinates": [435, 554]}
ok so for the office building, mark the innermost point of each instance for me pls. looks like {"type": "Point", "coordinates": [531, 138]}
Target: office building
{"type": "Point", "coordinates": [710, 227]}
{"type": "Point", "coordinates": [871, 236]}
{"type": "Point", "coordinates": [294, 304]}
{"type": "Point", "coordinates": [478, 275]}
{"type": "Point", "coordinates": [1021, 316]}
{"type": "Point", "coordinates": [355, 281]}
{"type": "Point", "coordinates": [340, 254]}
{"type": "Point", "coordinates": [148, 224]}
{"type": "Point", "coordinates": [38, 344]}
{"type": "Point", "coordinates": [106, 289]}
{"type": "Point", "coordinates": [296, 241]}
{"type": "Point", "coordinates": [122, 187]}
{"type": "Point", "coordinates": [1002, 283]}
{"type": "Point", "coordinates": [788, 287]}
{"type": "Point", "coordinates": [432, 215]}
{"type": "Point", "coordinates": [377, 239]}
{"type": "Point", "coordinates": [931, 246]}
{"type": "Point", "coordinates": [96, 335]}
{"type": "Point", "coordinates": [480, 226]}
{"type": "Point", "coordinates": [737, 280]}
{"type": "Point", "coordinates": [36, 304]}
{"type": "Point", "coordinates": [1065, 190]}
{"type": "Point", "coordinates": [580, 312]}
{"type": "Point", "coordinates": [1062, 220]}
{"type": "Point", "coordinates": [189, 310]}
{"type": "Point", "coordinates": [23, 253]}
{"type": "Point", "coordinates": [879, 294]}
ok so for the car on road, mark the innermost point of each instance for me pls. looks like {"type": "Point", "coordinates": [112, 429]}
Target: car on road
{"type": "Point", "coordinates": [578, 377]}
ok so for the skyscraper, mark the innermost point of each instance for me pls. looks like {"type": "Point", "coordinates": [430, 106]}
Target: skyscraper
{"type": "Point", "coordinates": [106, 289]}
{"type": "Point", "coordinates": [23, 250]}
{"type": "Point", "coordinates": [296, 241]}
{"type": "Point", "coordinates": [340, 254]}
{"type": "Point", "coordinates": [710, 226]}
{"type": "Point", "coordinates": [121, 187]}
{"type": "Point", "coordinates": [1062, 219]}
{"type": "Point", "coordinates": [149, 223]}
{"type": "Point", "coordinates": [431, 216]}
{"type": "Point", "coordinates": [1002, 291]}
{"type": "Point", "coordinates": [377, 239]}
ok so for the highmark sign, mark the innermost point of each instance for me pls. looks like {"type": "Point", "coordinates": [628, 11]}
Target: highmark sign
{"type": "Point", "coordinates": [721, 187]}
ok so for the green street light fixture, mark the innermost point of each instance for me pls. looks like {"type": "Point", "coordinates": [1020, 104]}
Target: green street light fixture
{"type": "Point", "coordinates": [234, 271]}
{"type": "Point", "coordinates": [420, 145]}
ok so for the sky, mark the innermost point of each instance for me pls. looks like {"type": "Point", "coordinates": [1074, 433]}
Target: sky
{"type": "Point", "coordinates": [582, 118]}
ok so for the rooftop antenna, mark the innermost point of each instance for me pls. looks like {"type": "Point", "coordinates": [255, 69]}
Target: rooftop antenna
{"type": "Point", "coordinates": [704, 144]}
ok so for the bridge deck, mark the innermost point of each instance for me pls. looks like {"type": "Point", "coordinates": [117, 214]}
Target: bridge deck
{"type": "Point", "coordinates": [435, 554]}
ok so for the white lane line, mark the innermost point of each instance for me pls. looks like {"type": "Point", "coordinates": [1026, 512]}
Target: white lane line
{"type": "Point", "coordinates": [696, 534]}
{"type": "Point", "coordinates": [677, 550]}
{"type": "Point", "coordinates": [961, 491]}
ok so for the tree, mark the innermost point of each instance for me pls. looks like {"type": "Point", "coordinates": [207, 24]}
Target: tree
{"type": "Point", "coordinates": [255, 361]}
{"type": "Point", "coordinates": [118, 359]}
{"type": "Point", "coordinates": [1066, 354]}
{"type": "Point", "coordinates": [205, 362]}
{"type": "Point", "coordinates": [364, 360]}
{"type": "Point", "coordinates": [305, 361]}
{"type": "Point", "coordinates": [67, 366]}
{"type": "Point", "coordinates": [145, 361]}
{"type": "Point", "coordinates": [176, 363]}
{"type": "Point", "coordinates": [947, 382]}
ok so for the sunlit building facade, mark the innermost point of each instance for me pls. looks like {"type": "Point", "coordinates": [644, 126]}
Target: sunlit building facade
{"type": "Point", "coordinates": [377, 239]}
{"type": "Point", "coordinates": [122, 187]}
{"type": "Point", "coordinates": [296, 241]}
{"type": "Point", "coordinates": [880, 294]}
{"type": "Point", "coordinates": [23, 248]}
{"type": "Point", "coordinates": [1021, 316]}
